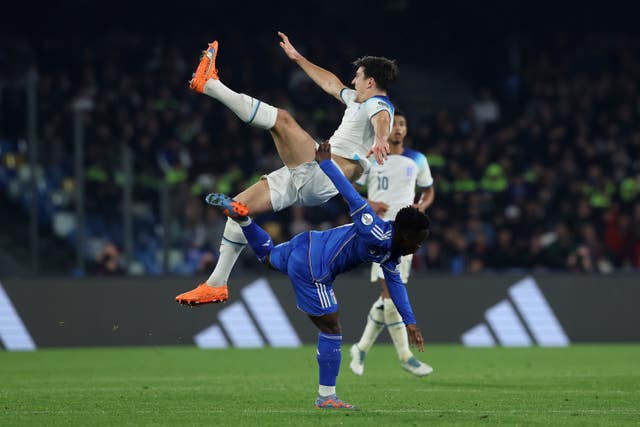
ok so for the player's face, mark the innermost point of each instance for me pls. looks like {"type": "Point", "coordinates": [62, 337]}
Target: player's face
{"type": "Point", "coordinates": [412, 242]}
{"type": "Point", "coordinates": [361, 83]}
{"type": "Point", "coordinates": [399, 131]}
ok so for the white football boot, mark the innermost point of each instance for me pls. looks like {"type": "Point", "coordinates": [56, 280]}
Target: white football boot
{"type": "Point", "coordinates": [357, 360]}
{"type": "Point", "coordinates": [414, 366]}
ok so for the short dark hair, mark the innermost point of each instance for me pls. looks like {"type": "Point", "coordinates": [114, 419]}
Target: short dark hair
{"type": "Point", "coordinates": [411, 219]}
{"type": "Point", "coordinates": [399, 112]}
{"type": "Point", "coordinates": [384, 71]}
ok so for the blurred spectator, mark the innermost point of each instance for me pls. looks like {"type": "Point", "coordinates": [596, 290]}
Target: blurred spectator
{"type": "Point", "coordinates": [485, 108]}
{"type": "Point", "coordinates": [108, 262]}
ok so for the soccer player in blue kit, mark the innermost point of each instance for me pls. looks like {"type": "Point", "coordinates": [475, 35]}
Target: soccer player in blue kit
{"type": "Point", "coordinates": [313, 259]}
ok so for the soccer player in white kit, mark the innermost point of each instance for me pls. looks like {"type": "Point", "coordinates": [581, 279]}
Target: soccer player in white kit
{"type": "Point", "coordinates": [391, 187]}
{"type": "Point", "coordinates": [364, 130]}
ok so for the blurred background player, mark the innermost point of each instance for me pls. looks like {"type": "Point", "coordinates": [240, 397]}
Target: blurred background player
{"type": "Point", "coordinates": [390, 187]}
{"type": "Point", "coordinates": [313, 259]}
{"type": "Point", "coordinates": [364, 130]}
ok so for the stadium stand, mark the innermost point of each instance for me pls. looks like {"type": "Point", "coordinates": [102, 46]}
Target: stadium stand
{"type": "Point", "coordinates": [538, 170]}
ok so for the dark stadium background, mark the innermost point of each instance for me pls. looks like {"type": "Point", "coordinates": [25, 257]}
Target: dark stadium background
{"type": "Point", "coordinates": [535, 196]}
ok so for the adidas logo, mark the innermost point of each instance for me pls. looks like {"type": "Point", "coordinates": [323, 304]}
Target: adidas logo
{"type": "Point", "coordinates": [239, 320]}
{"type": "Point", "coordinates": [523, 319]}
{"type": "Point", "coordinates": [14, 336]}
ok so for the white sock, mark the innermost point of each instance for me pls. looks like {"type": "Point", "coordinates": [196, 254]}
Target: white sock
{"type": "Point", "coordinates": [248, 109]}
{"type": "Point", "coordinates": [244, 223]}
{"type": "Point", "coordinates": [326, 390]}
{"type": "Point", "coordinates": [397, 330]}
{"type": "Point", "coordinates": [375, 323]}
{"type": "Point", "coordinates": [233, 243]}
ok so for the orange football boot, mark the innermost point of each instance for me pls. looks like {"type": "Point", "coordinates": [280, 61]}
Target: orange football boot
{"type": "Point", "coordinates": [204, 294]}
{"type": "Point", "coordinates": [206, 68]}
{"type": "Point", "coordinates": [332, 402]}
{"type": "Point", "coordinates": [228, 206]}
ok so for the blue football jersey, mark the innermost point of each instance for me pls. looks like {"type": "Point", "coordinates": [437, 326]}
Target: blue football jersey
{"type": "Point", "coordinates": [367, 239]}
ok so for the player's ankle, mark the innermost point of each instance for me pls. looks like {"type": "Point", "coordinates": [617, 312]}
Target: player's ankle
{"type": "Point", "coordinates": [405, 356]}
{"type": "Point", "coordinates": [242, 221]}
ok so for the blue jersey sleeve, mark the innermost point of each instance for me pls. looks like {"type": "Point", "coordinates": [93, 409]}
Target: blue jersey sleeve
{"type": "Point", "coordinates": [353, 198]}
{"type": "Point", "coordinates": [366, 222]}
{"type": "Point", "coordinates": [398, 293]}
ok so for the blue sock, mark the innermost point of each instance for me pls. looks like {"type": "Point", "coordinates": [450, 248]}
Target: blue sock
{"type": "Point", "coordinates": [258, 239]}
{"type": "Point", "coordinates": [329, 357]}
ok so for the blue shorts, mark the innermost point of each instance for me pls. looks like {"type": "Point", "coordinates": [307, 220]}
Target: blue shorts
{"type": "Point", "coordinates": [292, 259]}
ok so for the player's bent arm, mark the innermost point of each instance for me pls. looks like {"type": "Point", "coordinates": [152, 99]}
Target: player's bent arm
{"type": "Point", "coordinates": [327, 81]}
{"type": "Point", "coordinates": [398, 294]}
{"type": "Point", "coordinates": [353, 198]}
{"type": "Point", "coordinates": [380, 208]}
{"type": "Point", "coordinates": [381, 122]}
{"type": "Point", "coordinates": [426, 199]}
{"type": "Point", "coordinates": [381, 125]}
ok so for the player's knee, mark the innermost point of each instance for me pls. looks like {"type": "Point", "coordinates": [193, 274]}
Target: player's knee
{"type": "Point", "coordinates": [336, 330]}
{"type": "Point", "coordinates": [332, 326]}
{"type": "Point", "coordinates": [285, 119]}
{"type": "Point", "coordinates": [330, 329]}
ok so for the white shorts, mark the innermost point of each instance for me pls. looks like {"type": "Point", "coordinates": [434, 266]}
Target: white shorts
{"type": "Point", "coordinates": [405, 269]}
{"type": "Point", "coordinates": [304, 185]}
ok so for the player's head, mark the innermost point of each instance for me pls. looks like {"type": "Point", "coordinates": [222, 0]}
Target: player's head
{"type": "Point", "coordinates": [374, 72]}
{"type": "Point", "coordinates": [410, 228]}
{"type": "Point", "coordinates": [399, 131]}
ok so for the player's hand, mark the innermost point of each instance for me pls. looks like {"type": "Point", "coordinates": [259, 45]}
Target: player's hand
{"type": "Point", "coordinates": [288, 48]}
{"type": "Point", "coordinates": [323, 152]}
{"type": "Point", "coordinates": [381, 150]}
{"type": "Point", "coordinates": [419, 207]}
{"type": "Point", "coordinates": [380, 208]}
{"type": "Point", "coordinates": [415, 337]}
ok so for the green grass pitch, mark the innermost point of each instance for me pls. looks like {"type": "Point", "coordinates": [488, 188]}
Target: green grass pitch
{"type": "Point", "coordinates": [579, 385]}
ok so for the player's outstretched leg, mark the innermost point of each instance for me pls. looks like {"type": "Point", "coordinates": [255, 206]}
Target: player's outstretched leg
{"type": "Point", "coordinates": [375, 324]}
{"type": "Point", "coordinates": [256, 236]}
{"type": "Point", "coordinates": [328, 356]}
{"type": "Point", "coordinates": [250, 110]}
{"type": "Point", "coordinates": [257, 198]}
{"type": "Point", "coordinates": [398, 333]}
{"type": "Point", "coordinates": [258, 239]}
{"type": "Point", "coordinates": [294, 146]}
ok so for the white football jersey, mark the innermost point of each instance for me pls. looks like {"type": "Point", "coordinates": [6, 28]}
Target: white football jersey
{"type": "Point", "coordinates": [394, 183]}
{"type": "Point", "coordinates": [354, 137]}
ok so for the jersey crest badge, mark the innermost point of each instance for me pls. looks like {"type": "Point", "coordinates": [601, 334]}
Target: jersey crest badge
{"type": "Point", "coordinates": [366, 219]}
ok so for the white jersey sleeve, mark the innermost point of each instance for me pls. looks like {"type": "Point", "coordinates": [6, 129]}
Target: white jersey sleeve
{"type": "Point", "coordinates": [355, 135]}
{"type": "Point", "coordinates": [378, 104]}
{"type": "Point", "coordinates": [424, 171]}
{"type": "Point", "coordinates": [347, 95]}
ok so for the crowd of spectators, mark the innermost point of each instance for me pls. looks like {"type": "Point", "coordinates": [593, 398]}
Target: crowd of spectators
{"type": "Point", "coordinates": [549, 176]}
{"type": "Point", "coordinates": [540, 171]}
